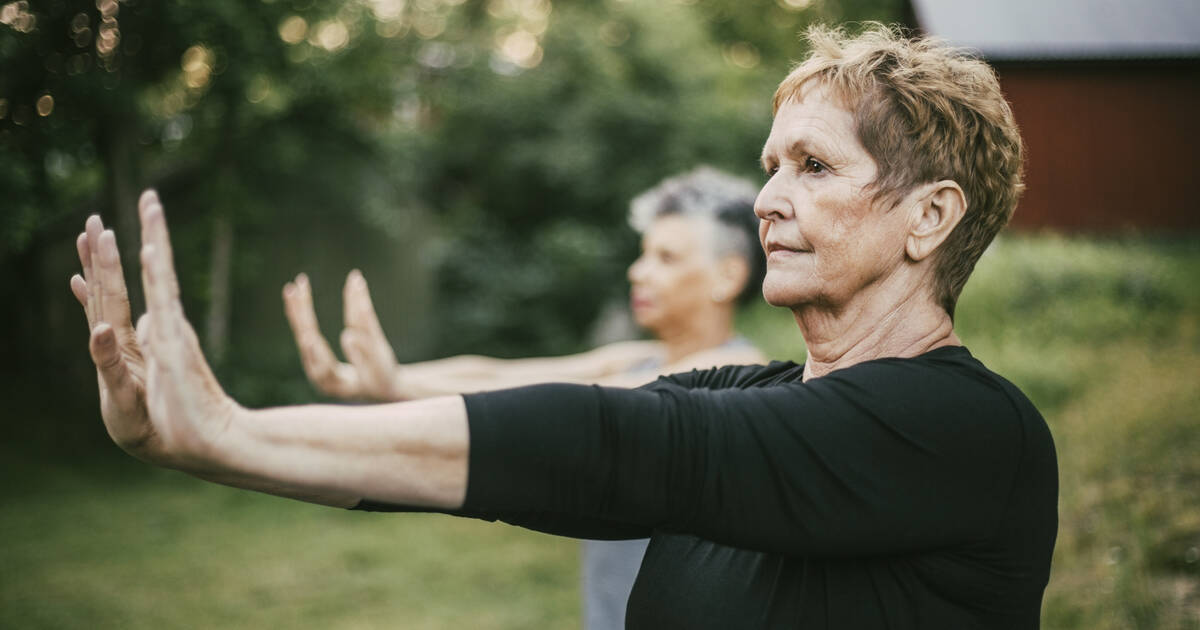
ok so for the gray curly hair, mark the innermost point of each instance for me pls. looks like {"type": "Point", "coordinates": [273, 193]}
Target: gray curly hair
{"type": "Point", "coordinates": [725, 200]}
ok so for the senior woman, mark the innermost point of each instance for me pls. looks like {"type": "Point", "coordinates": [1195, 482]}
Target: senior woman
{"type": "Point", "coordinates": [699, 258]}
{"type": "Point", "coordinates": [891, 481]}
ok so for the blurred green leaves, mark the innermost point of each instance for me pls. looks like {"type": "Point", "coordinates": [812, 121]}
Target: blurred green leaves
{"type": "Point", "coordinates": [474, 157]}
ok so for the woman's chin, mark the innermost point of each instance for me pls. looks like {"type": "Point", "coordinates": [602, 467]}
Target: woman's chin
{"type": "Point", "coordinates": [646, 319]}
{"type": "Point", "coordinates": [777, 295]}
{"type": "Point", "coordinates": [792, 297]}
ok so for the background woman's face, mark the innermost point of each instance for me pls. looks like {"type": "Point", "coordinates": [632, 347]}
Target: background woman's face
{"type": "Point", "coordinates": [674, 275]}
{"type": "Point", "coordinates": [825, 238]}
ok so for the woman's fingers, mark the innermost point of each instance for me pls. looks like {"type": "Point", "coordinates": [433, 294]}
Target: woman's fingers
{"type": "Point", "coordinates": [360, 308]}
{"type": "Point", "coordinates": [106, 353]}
{"type": "Point", "coordinates": [110, 363]}
{"type": "Point", "coordinates": [158, 274]}
{"type": "Point", "coordinates": [114, 295]}
{"type": "Point", "coordinates": [320, 364]}
{"type": "Point", "coordinates": [364, 342]}
{"type": "Point", "coordinates": [81, 289]}
{"type": "Point", "coordinates": [92, 230]}
{"type": "Point", "coordinates": [361, 316]}
{"type": "Point", "coordinates": [374, 366]}
{"type": "Point", "coordinates": [352, 347]}
{"type": "Point", "coordinates": [154, 233]}
{"type": "Point", "coordinates": [168, 328]}
{"type": "Point", "coordinates": [184, 398]}
{"type": "Point", "coordinates": [298, 306]}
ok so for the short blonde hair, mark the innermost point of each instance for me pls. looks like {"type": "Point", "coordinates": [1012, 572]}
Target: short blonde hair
{"type": "Point", "coordinates": [926, 112]}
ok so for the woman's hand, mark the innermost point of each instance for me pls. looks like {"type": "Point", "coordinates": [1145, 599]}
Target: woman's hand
{"type": "Point", "coordinates": [159, 399]}
{"type": "Point", "coordinates": [188, 409]}
{"type": "Point", "coordinates": [372, 371]}
{"type": "Point", "coordinates": [161, 402]}
{"type": "Point", "coordinates": [120, 366]}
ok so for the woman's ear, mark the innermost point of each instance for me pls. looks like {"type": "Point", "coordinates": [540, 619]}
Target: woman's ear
{"type": "Point", "coordinates": [732, 274]}
{"type": "Point", "coordinates": [939, 208]}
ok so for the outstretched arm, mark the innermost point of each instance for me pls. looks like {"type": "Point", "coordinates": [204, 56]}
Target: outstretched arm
{"type": "Point", "coordinates": [372, 371]}
{"type": "Point", "coordinates": [161, 402]}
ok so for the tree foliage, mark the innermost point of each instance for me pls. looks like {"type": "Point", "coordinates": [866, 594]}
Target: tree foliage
{"type": "Point", "coordinates": [474, 158]}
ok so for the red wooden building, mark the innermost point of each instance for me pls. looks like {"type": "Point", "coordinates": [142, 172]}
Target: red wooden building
{"type": "Point", "coordinates": [1107, 94]}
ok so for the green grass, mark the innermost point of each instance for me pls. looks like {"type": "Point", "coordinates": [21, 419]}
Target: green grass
{"type": "Point", "coordinates": [114, 544]}
{"type": "Point", "coordinates": [1104, 335]}
{"type": "Point", "coordinates": [1105, 338]}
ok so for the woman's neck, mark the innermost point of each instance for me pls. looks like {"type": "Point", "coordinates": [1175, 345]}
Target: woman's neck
{"type": "Point", "coordinates": [699, 332]}
{"type": "Point", "coordinates": [872, 329]}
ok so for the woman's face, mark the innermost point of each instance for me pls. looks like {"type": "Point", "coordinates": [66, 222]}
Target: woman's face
{"type": "Point", "coordinates": [827, 242]}
{"type": "Point", "coordinates": [674, 276]}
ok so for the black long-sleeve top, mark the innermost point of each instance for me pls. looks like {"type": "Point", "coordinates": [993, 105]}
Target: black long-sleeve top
{"type": "Point", "coordinates": [896, 493]}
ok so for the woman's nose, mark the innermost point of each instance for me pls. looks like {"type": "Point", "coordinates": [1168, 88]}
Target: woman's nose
{"type": "Point", "coordinates": [635, 270]}
{"type": "Point", "coordinates": [771, 204]}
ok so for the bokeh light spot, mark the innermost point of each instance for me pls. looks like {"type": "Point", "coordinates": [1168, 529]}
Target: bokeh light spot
{"type": "Point", "coordinates": [500, 8]}
{"type": "Point", "coordinates": [391, 28]}
{"type": "Point", "coordinates": [742, 54]}
{"type": "Point", "coordinates": [429, 25]}
{"type": "Point", "coordinates": [259, 89]}
{"type": "Point", "coordinates": [794, 5]}
{"type": "Point", "coordinates": [45, 105]}
{"type": "Point", "coordinates": [108, 8]}
{"type": "Point", "coordinates": [109, 38]}
{"type": "Point", "coordinates": [520, 47]}
{"type": "Point", "coordinates": [197, 64]}
{"type": "Point", "coordinates": [388, 10]}
{"type": "Point", "coordinates": [79, 22]}
{"type": "Point", "coordinates": [293, 29]}
{"type": "Point", "coordinates": [535, 10]}
{"type": "Point", "coordinates": [332, 35]}
{"type": "Point", "coordinates": [17, 16]}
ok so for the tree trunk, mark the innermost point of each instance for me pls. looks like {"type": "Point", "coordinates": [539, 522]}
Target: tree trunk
{"type": "Point", "coordinates": [220, 288]}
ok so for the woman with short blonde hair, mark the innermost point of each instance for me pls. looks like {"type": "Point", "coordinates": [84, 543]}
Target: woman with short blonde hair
{"type": "Point", "coordinates": [891, 481]}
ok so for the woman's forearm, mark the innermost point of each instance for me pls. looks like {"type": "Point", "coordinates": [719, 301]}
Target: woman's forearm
{"type": "Point", "coordinates": [473, 373]}
{"type": "Point", "coordinates": [412, 453]}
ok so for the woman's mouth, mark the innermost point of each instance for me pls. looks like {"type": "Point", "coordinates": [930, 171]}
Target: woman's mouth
{"type": "Point", "coordinates": [778, 250]}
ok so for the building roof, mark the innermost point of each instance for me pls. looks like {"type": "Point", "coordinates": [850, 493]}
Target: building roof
{"type": "Point", "coordinates": [1066, 29]}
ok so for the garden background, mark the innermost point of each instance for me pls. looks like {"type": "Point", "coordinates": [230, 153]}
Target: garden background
{"type": "Point", "coordinates": [474, 159]}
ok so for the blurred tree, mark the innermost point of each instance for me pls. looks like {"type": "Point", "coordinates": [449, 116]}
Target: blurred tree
{"type": "Point", "coordinates": [250, 118]}
{"type": "Point", "coordinates": [474, 157]}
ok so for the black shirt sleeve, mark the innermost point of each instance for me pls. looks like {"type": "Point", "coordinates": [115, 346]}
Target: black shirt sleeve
{"type": "Point", "coordinates": [887, 456]}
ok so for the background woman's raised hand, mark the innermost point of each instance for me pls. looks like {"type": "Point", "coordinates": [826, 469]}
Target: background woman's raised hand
{"type": "Point", "coordinates": [159, 399]}
{"type": "Point", "coordinates": [372, 370]}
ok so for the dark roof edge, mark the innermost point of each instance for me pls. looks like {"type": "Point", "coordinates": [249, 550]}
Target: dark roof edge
{"type": "Point", "coordinates": [1095, 62]}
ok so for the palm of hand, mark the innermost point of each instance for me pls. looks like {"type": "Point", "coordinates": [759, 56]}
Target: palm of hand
{"type": "Point", "coordinates": [159, 400]}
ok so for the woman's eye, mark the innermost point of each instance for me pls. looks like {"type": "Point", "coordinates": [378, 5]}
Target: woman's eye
{"type": "Point", "coordinates": [771, 170]}
{"type": "Point", "coordinates": [813, 166]}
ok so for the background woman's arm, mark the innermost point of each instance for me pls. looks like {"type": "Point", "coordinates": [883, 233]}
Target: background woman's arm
{"type": "Point", "coordinates": [372, 371]}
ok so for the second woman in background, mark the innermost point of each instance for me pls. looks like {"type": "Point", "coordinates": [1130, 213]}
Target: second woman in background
{"type": "Point", "coordinates": [700, 257]}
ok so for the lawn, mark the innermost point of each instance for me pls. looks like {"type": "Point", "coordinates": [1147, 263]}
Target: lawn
{"type": "Point", "coordinates": [1104, 335]}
